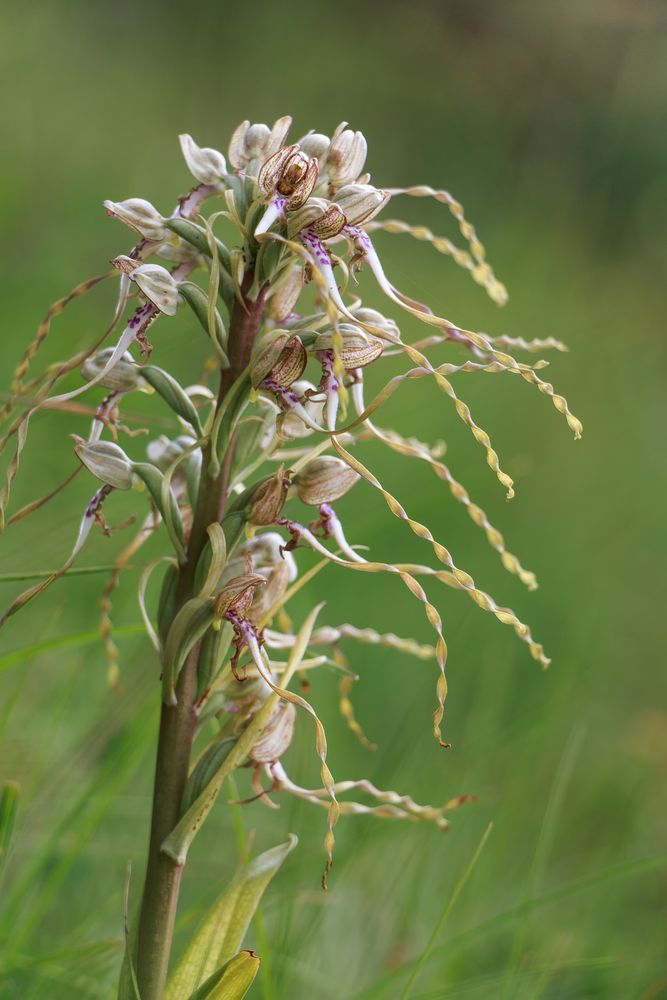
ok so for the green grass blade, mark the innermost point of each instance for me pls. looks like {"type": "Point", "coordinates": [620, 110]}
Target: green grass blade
{"type": "Point", "coordinates": [69, 641]}
{"type": "Point", "coordinates": [8, 808]}
{"type": "Point", "coordinates": [626, 869]}
{"type": "Point", "coordinates": [545, 840]}
{"type": "Point", "coordinates": [87, 811]}
{"type": "Point", "coordinates": [431, 943]}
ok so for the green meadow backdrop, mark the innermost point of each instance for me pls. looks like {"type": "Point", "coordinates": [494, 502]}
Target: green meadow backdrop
{"type": "Point", "coordinates": [547, 121]}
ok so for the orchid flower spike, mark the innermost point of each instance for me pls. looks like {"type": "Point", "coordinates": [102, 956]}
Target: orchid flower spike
{"type": "Point", "coordinates": [257, 456]}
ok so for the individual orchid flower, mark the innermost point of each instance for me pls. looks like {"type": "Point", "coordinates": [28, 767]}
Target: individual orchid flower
{"type": "Point", "coordinates": [345, 157]}
{"type": "Point", "coordinates": [279, 362]}
{"type": "Point", "coordinates": [206, 165]}
{"type": "Point", "coordinates": [360, 203]}
{"type": "Point", "coordinates": [141, 216]}
{"type": "Point", "coordinates": [106, 461]}
{"type": "Point", "coordinates": [251, 144]}
{"type": "Point", "coordinates": [122, 378]}
{"type": "Point", "coordinates": [287, 180]}
{"type": "Point", "coordinates": [355, 349]}
{"type": "Point", "coordinates": [315, 144]}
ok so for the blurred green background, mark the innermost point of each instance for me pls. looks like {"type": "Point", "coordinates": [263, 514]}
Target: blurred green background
{"type": "Point", "coordinates": [547, 121]}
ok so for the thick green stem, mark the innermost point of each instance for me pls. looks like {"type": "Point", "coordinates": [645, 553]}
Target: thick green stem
{"type": "Point", "coordinates": [177, 722]}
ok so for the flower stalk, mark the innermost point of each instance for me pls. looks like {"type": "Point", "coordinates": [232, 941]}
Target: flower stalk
{"type": "Point", "coordinates": [178, 722]}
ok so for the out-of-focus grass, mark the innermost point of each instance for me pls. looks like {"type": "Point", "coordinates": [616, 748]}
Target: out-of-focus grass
{"type": "Point", "coordinates": [544, 121]}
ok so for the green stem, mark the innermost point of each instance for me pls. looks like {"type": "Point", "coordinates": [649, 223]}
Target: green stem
{"type": "Point", "coordinates": [177, 722]}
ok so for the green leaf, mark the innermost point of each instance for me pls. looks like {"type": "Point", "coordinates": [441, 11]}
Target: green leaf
{"type": "Point", "coordinates": [227, 417]}
{"type": "Point", "coordinates": [197, 299]}
{"type": "Point", "coordinates": [232, 981]}
{"type": "Point", "coordinates": [167, 601]}
{"type": "Point", "coordinates": [233, 525]}
{"type": "Point", "coordinates": [212, 560]}
{"type": "Point", "coordinates": [187, 627]}
{"type": "Point", "coordinates": [196, 237]}
{"type": "Point", "coordinates": [206, 768]}
{"type": "Point", "coordinates": [248, 435]}
{"type": "Point", "coordinates": [221, 932]}
{"type": "Point", "coordinates": [174, 395]}
{"type": "Point", "coordinates": [8, 808]}
{"type": "Point", "coordinates": [153, 479]}
{"type": "Point", "coordinates": [212, 655]}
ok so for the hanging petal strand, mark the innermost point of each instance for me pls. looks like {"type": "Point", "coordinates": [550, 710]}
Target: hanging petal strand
{"type": "Point", "coordinates": [466, 229]}
{"type": "Point", "coordinates": [398, 444]}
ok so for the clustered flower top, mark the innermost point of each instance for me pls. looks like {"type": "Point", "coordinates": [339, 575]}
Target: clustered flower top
{"type": "Point", "coordinates": [290, 410]}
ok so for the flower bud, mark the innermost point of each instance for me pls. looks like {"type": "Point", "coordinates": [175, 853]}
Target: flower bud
{"type": "Point", "coordinates": [315, 144]}
{"type": "Point", "coordinates": [320, 216]}
{"type": "Point", "coordinates": [360, 202]}
{"type": "Point", "coordinates": [206, 165]}
{"type": "Point", "coordinates": [154, 281]}
{"type": "Point", "coordinates": [269, 560]}
{"type": "Point", "coordinates": [358, 350]}
{"type": "Point", "coordinates": [277, 581]}
{"type": "Point", "coordinates": [276, 737]}
{"type": "Point", "coordinates": [293, 426]}
{"type": "Point", "coordinates": [381, 324]}
{"type": "Point", "coordinates": [237, 594]}
{"type": "Point", "coordinates": [285, 294]}
{"type": "Point", "coordinates": [345, 157]}
{"type": "Point", "coordinates": [163, 451]}
{"type": "Point", "coordinates": [267, 551]}
{"type": "Point", "coordinates": [267, 498]}
{"type": "Point", "coordinates": [141, 216]}
{"type": "Point", "coordinates": [178, 251]}
{"type": "Point", "coordinates": [290, 174]}
{"type": "Point", "coordinates": [256, 142]}
{"type": "Point", "coordinates": [123, 377]}
{"type": "Point", "coordinates": [324, 480]}
{"type": "Point", "coordinates": [106, 460]}
{"type": "Point", "coordinates": [279, 358]}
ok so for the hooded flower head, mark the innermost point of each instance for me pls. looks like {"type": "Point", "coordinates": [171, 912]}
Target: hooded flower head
{"type": "Point", "coordinates": [206, 165]}
{"type": "Point", "coordinates": [255, 143]}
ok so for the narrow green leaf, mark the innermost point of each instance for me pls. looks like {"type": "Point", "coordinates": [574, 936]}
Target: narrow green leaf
{"type": "Point", "coordinates": [187, 627]}
{"type": "Point", "coordinates": [214, 558]}
{"type": "Point", "coordinates": [222, 930]}
{"type": "Point", "coordinates": [168, 587]}
{"type": "Point", "coordinates": [233, 525]}
{"type": "Point", "coordinates": [173, 394]}
{"type": "Point", "coordinates": [228, 415]}
{"type": "Point", "coordinates": [196, 298]}
{"type": "Point", "coordinates": [206, 768]}
{"type": "Point", "coordinates": [212, 655]}
{"type": "Point", "coordinates": [153, 478]}
{"type": "Point", "coordinates": [196, 237]}
{"type": "Point", "coordinates": [167, 601]}
{"type": "Point", "coordinates": [232, 981]}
